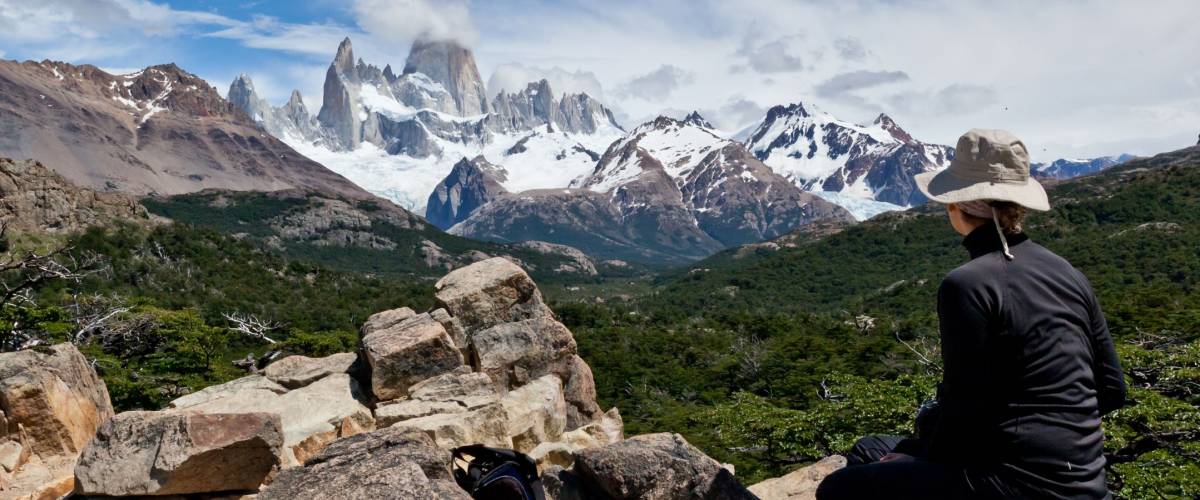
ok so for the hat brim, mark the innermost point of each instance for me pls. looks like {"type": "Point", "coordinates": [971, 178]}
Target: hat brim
{"type": "Point", "coordinates": [944, 187]}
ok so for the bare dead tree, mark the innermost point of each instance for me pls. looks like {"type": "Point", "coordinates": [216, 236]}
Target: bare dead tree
{"type": "Point", "coordinates": [21, 272]}
{"type": "Point", "coordinates": [252, 326]}
{"type": "Point", "coordinates": [926, 354]}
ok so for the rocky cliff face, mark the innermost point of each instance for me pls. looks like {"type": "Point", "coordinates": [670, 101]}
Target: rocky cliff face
{"type": "Point", "coordinates": [470, 185]}
{"type": "Point", "coordinates": [34, 198]}
{"type": "Point", "coordinates": [676, 191]}
{"type": "Point", "coordinates": [453, 67]}
{"type": "Point", "coordinates": [160, 130]}
{"type": "Point", "coordinates": [821, 153]}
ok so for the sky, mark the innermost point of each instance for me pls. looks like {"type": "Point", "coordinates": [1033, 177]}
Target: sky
{"type": "Point", "coordinates": [1072, 78]}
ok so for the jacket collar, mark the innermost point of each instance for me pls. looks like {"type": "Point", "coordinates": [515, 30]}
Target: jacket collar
{"type": "Point", "coordinates": [984, 240]}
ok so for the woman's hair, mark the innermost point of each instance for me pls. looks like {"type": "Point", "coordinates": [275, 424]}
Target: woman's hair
{"type": "Point", "coordinates": [1010, 215]}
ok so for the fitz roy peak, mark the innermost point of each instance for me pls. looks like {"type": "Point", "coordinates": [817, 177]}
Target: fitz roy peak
{"type": "Point", "coordinates": [399, 134]}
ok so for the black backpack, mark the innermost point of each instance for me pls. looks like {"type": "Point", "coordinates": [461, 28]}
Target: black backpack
{"type": "Point", "coordinates": [495, 474]}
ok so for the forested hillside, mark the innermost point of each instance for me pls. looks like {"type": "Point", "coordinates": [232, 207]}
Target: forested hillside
{"type": "Point", "coordinates": [777, 354]}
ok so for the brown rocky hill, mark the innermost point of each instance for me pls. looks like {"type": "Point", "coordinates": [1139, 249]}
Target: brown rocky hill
{"type": "Point", "coordinates": [490, 365]}
{"type": "Point", "coordinates": [34, 198]}
{"type": "Point", "coordinates": [161, 130]}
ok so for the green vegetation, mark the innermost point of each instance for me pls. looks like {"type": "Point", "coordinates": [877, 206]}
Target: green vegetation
{"type": "Point", "coordinates": [771, 359]}
{"type": "Point", "coordinates": [765, 358]}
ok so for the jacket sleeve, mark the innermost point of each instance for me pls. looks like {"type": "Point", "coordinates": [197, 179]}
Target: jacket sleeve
{"type": "Point", "coordinates": [963, 313]}
{"type": "Point", "coordinates": [1106, 368]}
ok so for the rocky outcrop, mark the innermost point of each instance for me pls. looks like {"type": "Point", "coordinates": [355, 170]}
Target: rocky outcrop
{"type": "Point", "coordinates": [656, 466]}
{"type": "Point", "coordinates": [471, 184]}
{"type": "Point", "coordinates": [800, 484]}
{"type": "Point", "coordinates": [396, 462]}
{"type": "Point", "coordinates": [34, 198]}
{"type": "Point", "coordinates": [289, 121]}
{"type": "Point", "coordinates": [156, 453]}
{"type": "Point", "coordinates": [578, 263]}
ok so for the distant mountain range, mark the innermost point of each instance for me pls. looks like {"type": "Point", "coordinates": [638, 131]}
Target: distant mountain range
{"type": "Point", "coordinates": [517, 166]}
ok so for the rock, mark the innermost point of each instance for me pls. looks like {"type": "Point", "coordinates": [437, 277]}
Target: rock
{"type": "Point", "coordinates": [386, 319]}
{"type": "Point", "coordinates": [562, 453]}
{"type": "Point", "coordinates": [656, 466]}
{"type": "Point", "coordinates": [556, 453]}
{"type": "Point", "coordinates": [319, 409]}
{"type": "Point", "coordinates": [12, 455]}
{"type": "Point", "coordinates": [514, 353]}
{"type": "Point", "coordinates": [486, 426]}
{"type": "Point", "coordinates": [34, 198]}
{"type": "Point", "coordinates": [580, 392]}
{"type": "Point", "coordinates": [455, 392]}
{"type": "Point", "coordinates": [246, 388]}
{"type": "Point", "coordinates": [562, 484]}
{"type": "Point", "coordinates": [536, 413]}
{"type": "Point", "coordinates": [51, 402]}
{"type": "Point", "coordinates": [490, 292]}
{"type": "Point", "coordinates": [469, 185]}
{"type": "Point", "coordinates": [163, 453]}
{"type": "Point", "coordinates": [388, 463]}
{"type": "Point", "coordinates": [452, 325]}
{"type": "Point", "coordinates": [800, 484]}
{"type": "Point", "coordinates": [411, 351]}
{"type": "Point", "coordinates": [298, 371]}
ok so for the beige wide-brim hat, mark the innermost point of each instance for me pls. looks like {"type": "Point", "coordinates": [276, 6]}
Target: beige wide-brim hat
{"type": "Point", "coordinates": [987, 165]}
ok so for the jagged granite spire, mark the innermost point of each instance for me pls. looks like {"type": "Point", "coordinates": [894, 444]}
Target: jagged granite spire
{"type": "Point", "coordinates": [340, 100]}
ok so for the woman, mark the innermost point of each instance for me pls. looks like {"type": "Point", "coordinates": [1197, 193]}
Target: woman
{"type": "Point", "coordinates": [1029, 366]}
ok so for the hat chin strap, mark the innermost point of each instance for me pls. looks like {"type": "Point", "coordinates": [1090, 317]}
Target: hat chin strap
{"type": "Point", "coordinates": [1003, 241]}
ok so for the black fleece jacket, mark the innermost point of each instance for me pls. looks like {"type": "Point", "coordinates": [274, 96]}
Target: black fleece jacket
{"type": "Point", "coordinates": [1029, 369]}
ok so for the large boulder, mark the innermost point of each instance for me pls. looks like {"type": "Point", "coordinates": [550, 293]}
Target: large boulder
{"type": "Point", "coordinates": [298, 371]}
{"type": "Point", "coordinates": [386, 319]}
{"type": "Point", "coordinates": [800, 484]}
{"type": "Point", "coordinates": [408, 352]}
{"type": "Point", "coordinates": [312, 416]}
{"type": "Point", "coordinates": [490, 292]}
{"type": "Point", "coordinates": [165, 453]}
{"type": "Point", "coordinates": [394, 462]}
{"type": "Point", "coordinates": [51, 403]}
{"type": "Point", "coordinates": [517, 352]}
{"type": "Point", "coordinates": [656, 467]}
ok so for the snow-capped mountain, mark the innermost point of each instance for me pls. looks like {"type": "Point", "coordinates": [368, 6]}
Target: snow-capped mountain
{"type": "Point", "coordinates": [846, 161]}
{"type": "Point", "coordinates": [161, 130]}
{"type": "Point", "coordinates": [1066, 168]}
{"type": "Point", "coordinates": [400, 135]}
{"type": "Point", "coordinates": [669, 191]}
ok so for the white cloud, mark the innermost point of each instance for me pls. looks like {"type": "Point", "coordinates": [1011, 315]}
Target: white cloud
{"type": "Point", "coordinates": [405, 20]}
{"type": "Point", "coordinates": [658, 84]}
{"type": "Point", "coordinates": [774, 56]}
{"type": "Point", "coordinates": [513, 77]}
{"type": "Point", "coordinates": [264, 32]}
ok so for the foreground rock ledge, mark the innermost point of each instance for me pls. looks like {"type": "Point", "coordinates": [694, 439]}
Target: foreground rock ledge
{"type": "Point", "coordinates": [156, 453]}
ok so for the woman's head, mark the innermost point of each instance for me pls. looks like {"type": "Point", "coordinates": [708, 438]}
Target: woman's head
{"type": "Point", "coordinates": [966, 216]}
